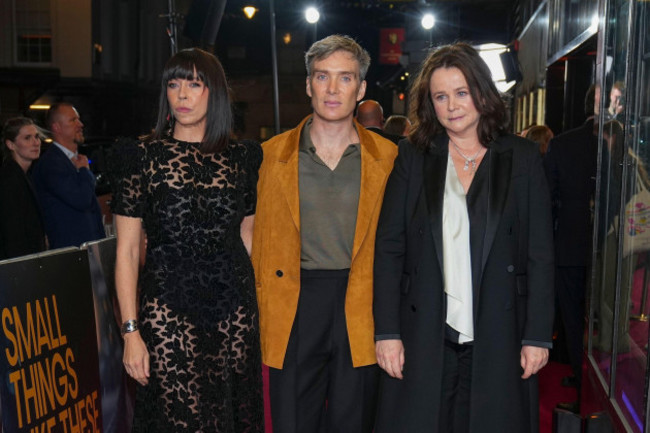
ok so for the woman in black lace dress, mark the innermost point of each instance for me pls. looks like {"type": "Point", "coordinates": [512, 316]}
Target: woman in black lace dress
{"type": "Point", "coordinates": [193, 342]}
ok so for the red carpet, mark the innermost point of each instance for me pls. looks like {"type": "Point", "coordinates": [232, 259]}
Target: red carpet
{"type": "Point", "coordinates": [267, 403]}
{"type": "Point", "coordinates": [550, 394]}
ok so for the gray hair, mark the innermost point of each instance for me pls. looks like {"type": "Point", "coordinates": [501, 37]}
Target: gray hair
{"type": "Point", "coordinates": [322, 49]}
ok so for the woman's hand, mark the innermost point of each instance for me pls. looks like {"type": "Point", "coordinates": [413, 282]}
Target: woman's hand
{"type": "Point", "coordinates": [533, 359]}
{"type": "Point", "coordinates": [136, 357]}
{"type": "Point", "coordinates": [390, 357]}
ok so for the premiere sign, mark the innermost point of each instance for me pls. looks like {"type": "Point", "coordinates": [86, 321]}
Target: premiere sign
{"type": "Point", "coordinates": [49, 347]}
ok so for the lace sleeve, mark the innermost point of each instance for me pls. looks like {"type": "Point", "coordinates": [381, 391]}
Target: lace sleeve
{"type": "Point", "coordinates": [251, 163]}
{"type": "Point", "coordinates": [127, 163]}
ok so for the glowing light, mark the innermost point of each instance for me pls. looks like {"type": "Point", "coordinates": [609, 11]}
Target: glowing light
{"type": "Point", "coordinates": [250, 11]}
{"type": "Point", "coordinates": [39, 107]}
{"type": "Point", "coordinates": [312, 15]}
{"type": "Point", "coordinates": [490, 54]}
{"type": "Point", "coordinates": [428, 21]}
{"type": "Point", "coordinates": [594, 24]}
{"type": "Point", "coordinates": [286, 38]}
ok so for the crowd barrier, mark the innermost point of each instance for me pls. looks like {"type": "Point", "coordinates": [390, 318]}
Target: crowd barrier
{"type": "Point", "coordinates": [60, 345]}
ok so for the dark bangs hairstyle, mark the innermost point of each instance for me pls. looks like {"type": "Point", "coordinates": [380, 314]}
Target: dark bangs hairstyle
{"type": "Point", "coordinates": [219, 117]}
{"type": "Point", "coordinates": [487, 100]}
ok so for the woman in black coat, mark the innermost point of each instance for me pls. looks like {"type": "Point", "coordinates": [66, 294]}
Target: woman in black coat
{"type": "Point", "coordinates": [463, 299]}
{"type": "Point", "coordinates": [21, 227]}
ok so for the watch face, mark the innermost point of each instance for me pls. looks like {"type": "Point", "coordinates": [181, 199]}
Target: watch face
{"type": "Point", "coordinates": [129, 326]}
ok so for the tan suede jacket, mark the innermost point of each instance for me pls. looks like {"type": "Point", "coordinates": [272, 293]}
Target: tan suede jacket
{"type": "Point", "coordinates": [276, 244]}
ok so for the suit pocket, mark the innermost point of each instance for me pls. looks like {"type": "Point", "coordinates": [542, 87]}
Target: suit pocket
{"type": "Point", "coordinates": [522, 285]}
{"type": "Point", "coordinates": [405, 284]}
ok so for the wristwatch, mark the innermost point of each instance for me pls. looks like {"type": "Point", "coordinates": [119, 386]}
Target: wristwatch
{"type": "Point", "coordinates": [129, 326]}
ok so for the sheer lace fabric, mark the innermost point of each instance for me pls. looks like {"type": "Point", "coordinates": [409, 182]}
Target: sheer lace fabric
{"type": "Point", "coordinates": [198, 311]}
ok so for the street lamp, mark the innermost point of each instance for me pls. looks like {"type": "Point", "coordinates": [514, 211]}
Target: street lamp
{"type": "Point", "coordinates": [274, 66]}
{"type": "Point", "coordinates": [428, 21]}
{"type": "Point", "coordinates": [312, 16]}
{"type": "Point", "coordinates": [250, 11]}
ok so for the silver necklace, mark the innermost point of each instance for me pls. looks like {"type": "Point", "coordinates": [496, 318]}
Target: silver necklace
{"type": "Point", "coordinates": [468, 160]}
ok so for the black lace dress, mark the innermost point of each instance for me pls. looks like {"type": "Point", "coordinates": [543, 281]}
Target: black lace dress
{"type": "Point", "coordinates": [198, 310]}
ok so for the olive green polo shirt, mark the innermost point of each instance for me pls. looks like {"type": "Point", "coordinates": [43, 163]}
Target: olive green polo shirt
{"type": "Point", "coordinates": [329, 200]}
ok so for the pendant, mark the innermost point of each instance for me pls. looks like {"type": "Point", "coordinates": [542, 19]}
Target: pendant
{"type": "Point", "coordinates": [466, 166]}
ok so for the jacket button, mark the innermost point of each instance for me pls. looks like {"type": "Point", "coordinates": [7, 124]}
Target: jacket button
{"type": "Point", "coordinates": [413, 308]}
{"type": "Point", "coordinates": [511, 268]}
{"type": "Point", "coordinates": [421, 231]}
{"type": "Point", "coordinates": [279, 273]}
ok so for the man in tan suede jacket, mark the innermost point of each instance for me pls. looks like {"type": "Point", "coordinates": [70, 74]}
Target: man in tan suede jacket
{"type": "Point", "coordinates": [319, 196]}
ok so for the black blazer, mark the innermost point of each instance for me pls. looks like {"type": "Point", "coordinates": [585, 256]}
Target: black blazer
{"type": "Point", "coordinates": [513, 291]}
{"type": "Point", "coordinates": [21, 226]}
{"type": "Point", "coordinates": [394, 138]}
{"type": "Point", "coordinates": [67, 197]}
{"type": "Point", "coordinates": [570, 164]}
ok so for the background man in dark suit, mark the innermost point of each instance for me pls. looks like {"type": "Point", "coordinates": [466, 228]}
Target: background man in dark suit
{"type": "Point", "coordinates": [65, 185]}
{"type": "Point", "coordinates": [570, 166]}
{"type": "Point", "coordinates": [371, 115]}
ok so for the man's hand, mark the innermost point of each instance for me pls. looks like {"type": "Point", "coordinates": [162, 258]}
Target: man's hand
{"type": "Point", "coordinates": [533, 358]}
{"type": "Point", "coordinates": [390, 357]}
{"type": "Point", "coordinates": [80, 161]}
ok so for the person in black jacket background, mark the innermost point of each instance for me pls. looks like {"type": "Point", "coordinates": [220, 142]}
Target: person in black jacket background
{"type": "Point", "coordinates": [21, 225]}
{"type": "Point", "coordinates": [570, 166]}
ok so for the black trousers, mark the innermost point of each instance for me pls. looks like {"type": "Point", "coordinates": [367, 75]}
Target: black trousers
{"type": "Point", "coordinates": [570, 284]}
{"type": "Point", "coordinates": [456, 388]}
{"type": "Point", "coordinates": [318, 390]}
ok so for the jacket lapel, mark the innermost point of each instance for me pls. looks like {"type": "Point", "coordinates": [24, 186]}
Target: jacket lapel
{"type": "Point", "coordinates": [287, 172]}
{"type": "Point", "coordinates": [62, 157]}
{"type": "Point", "coordinates": [499, 184]}
{"type": "Point", "coordinates": [373, 179]}
{"type": "Point", "coordinates": [434, 173]}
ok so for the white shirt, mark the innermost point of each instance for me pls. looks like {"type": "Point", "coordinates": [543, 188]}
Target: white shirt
{"type": "Point", "coordinates": [70, 154]}
{"type": "Point", "coordinates": [457, 259]}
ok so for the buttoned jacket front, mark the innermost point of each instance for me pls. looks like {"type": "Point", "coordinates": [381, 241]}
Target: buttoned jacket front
{"type": "Point", "coordinates": [513, 291]}
{"type": "Point", "coordinates": [276, 244]}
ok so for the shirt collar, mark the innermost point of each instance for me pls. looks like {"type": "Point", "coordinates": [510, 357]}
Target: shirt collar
{"type": "Point", "coordinates": [306, 144]}
{"type": "Point", "coordinates": [305, 139]}
{"type": "Point", "coordinates": [70, 154]}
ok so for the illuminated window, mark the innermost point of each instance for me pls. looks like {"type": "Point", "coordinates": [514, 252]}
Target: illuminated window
{"type": "Point", "coordinates": [33, 31]}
